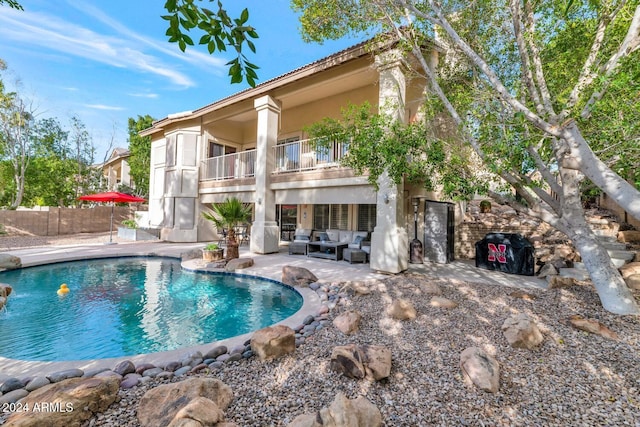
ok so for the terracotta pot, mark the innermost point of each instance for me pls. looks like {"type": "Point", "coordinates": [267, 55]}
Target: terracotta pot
{"type": "Point", "coordinates": [213, 255]}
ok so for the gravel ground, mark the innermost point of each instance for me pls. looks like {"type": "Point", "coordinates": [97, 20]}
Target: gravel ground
{"type": "Point", "coordinates": [17, 239]}
{"type": "Point", "coordinates": [573, 378]}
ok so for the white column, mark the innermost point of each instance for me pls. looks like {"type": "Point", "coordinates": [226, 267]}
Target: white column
{"type": "Point", "coordinates": [389, 240]}
{"type": "Point", "coordinates": [264, 231]}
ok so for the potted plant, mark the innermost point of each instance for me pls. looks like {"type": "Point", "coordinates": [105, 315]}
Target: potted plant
{"type": "Point", "coordinates": [226, 216]}
{"type": "Point", "coordinates": [485, 206]}
{"type": "Point", "coordinates": [212, 252]}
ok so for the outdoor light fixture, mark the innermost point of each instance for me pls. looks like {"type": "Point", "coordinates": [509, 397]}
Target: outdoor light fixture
{"type": "Point", "coordinates": [385, 198]}
{"type": "Point", "coordinates": [259, 200]}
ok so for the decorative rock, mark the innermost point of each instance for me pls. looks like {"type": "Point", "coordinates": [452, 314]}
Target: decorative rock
{"type": "Point", "coordinates": [199, 368]}
{"type": "Point", "coordinates": [308, 320]}
{"type": "Point", "coordinates": [324, 309]}
{"type": "Point", "coordinates": [10, 384]}
{"type": "Point", "coordinates": [239, 263]}
{"type": "Point", "coordinates": [143, 367]}
{"type": "Point", "coordinates": [442, 302]}
{"type": "Point", "coordinates": [522, 295]}
{"type": "Point", "coordinates": [342, 412]}
{"type": "Point", "coordinates": [592, 326]}
{"type": "Point", "coordinates": [629, 236]}
{"type": "Point", "coordinates": [402, 309]}
{"type": "Point", "coordinates": [630, 269]}
{"type": "Point", "coordinates": [182, 371]}
{"type": "Point", "coordinates": [63, 375]}
{"type": "Point", "coordinates": [237, 349]}
{"type": "Point", "coordinates": [79, 398]}
{"type": "Point", "coordinates": [633, 282]}
{"type": "Point", "coordinates": [151, 372]}
{"type": "Point", "coordinates": [201, 410]}
{"type": "Point", "coordinates": [9, 262]}
{"type": "Point", "coordinates": [13, 396]}
{"type": "Point", "coordinates": [215, 352]}
{"type": "Point", "coordinates": [362, 361]}
{"type": "Point", "coordinates": [223, 357]}
{"type": "Point", "coordinates": [36, 383]}
{"type": "Point", "coordinates": [125, 367]}
{"type": "Point", "coordinates": [172, 366]}
{"type": "Point", "coordinates": [216, 365]}
{"type": "Point", "coordinates": [273, 341]}
{"type": "Point", "coordinates": [94, 372]}
{"type": "Point", "coordinates": [430, 288]}
{"type": "Point", "coordinates": [192, 359]}
{"type": "Point", "coordinates": [108, 373]}
{"type": "Point", "coordinates": [348, 323]}
{"type": "Point", "coordinates": [297, 276]}
{"type": "Point", "coordinates": [234, 357]}
{"type": "Point", "coordinates": [5, 290]}
{"type": "Point", "coordinates": [165, 375]}
{"type": "Point", "coordinates": [480, 369]}
{"type": "Point", "coordinates": [547, 270]}
{"type": "Point", "coordinates": [160, 405]}
{"type": "Point", "coordinates": [521, 332]}
{"type": "Point", "coordinates": [130, 381]}
{"type": "Point", "coordinates": [247, 354]}
{"type": "Point", "coordinates": [560, 282]}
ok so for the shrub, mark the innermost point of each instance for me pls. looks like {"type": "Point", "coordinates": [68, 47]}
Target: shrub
{"type": "Point", "coordinates": [129, 223]}
{"type": "Point", "coordinates": [485, 206]}
{"type": "Point", "coordinates": [212, 247]}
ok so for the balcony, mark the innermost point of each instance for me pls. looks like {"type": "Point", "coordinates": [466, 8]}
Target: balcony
{"type": "Point", "coordinates": [230, 166]}
{"type": "Point", "coordinates": [304, 155]}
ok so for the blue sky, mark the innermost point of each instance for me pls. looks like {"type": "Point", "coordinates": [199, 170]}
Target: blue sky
{"type": "Point", "coordinates": [106, 61]}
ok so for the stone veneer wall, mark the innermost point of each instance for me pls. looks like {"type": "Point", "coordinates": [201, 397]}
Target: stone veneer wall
{"type": "Point", "coordinates": [468, 233]}
{"type": "Point", "coordinates": [51, 221]}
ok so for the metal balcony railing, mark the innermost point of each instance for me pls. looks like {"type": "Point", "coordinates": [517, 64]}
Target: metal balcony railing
{"type": "Point", "coordinates": [304, 155]}
{"type": "Point", "coordinates": [230, 166]}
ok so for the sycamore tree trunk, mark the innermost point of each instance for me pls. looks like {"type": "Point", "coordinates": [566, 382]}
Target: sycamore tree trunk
{"type": "Point", "coordinates": [586, 161]}
{"type": "Point", "coordinates": [611, 287]}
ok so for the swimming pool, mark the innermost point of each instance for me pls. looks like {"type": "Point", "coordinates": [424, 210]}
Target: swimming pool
{"type": "Point", "coordinates": [127, 306]}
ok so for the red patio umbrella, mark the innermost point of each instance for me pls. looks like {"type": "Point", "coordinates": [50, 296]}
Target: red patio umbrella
{"type": "Point", "coordinates": [113, 197]}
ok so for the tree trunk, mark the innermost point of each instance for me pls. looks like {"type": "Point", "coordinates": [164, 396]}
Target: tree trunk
{"type": "Point", "coordinates": [232, 245]}
{"type": "Point", "coordinates": [611, 287]}
{"type": "Point", "coordinates": [622, 192]}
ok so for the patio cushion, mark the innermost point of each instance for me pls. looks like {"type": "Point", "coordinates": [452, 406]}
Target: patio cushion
{"type": "Point", "coordinates": [323, 237]}
{"type": "Point", "coordinates": [302, 235]}
{"type": "Point", "coordinates": [346, 236]}
{"type": "Point", "coordinates": [334, 235]}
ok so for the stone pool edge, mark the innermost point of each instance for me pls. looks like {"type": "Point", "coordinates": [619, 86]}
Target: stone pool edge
{"type": "Point", "coordinates": [311, 304]}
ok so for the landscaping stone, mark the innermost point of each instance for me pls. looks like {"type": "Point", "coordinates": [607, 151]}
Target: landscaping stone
{"type": "Point", "coordinates": [633, 282]}
{"type": "Point", "coordinates": [161, 405]}
{"type": "Point", "coordinates": [13, 396]}
{"type": "Point", "coordinates": [480, 369]}
{"type": "Point", "coordinates": [297, 276]}
{"type": "Point", "coordinates": [63, 375]}
{"type": "Point", "coordinates": [342, 412]}
{"type": "Point", "coordinates": [10, 384]}
{"type": "Point", "coordinates": [630, 269]}
{"type": "Point", "coordinates": [442, 302]}
{"type": "Point", "coordinates": [239, 263]}
{"type": "Point", "coordinates": [521, 332]}
{"type": "Point", "coordinates": [36, 383]}
{"type": "Point", "coordinates": [348, 323]}
{"type": "Point", "coordinates": [592, 326]}
{"type": "Point", "coordinates": [215, 352]}
{"type": "Point", "coordinates": [629, 236]}
{"type": "Point", "coordinates": [9, 262]}
{"type": "Point", "coordinates": [76, 400]}
{"type": "Point", "coordinates": [358, 362]}
{"type": "Point", "coordinates": [125, 367]}
{"type": "Point", "coordinates": [402, 309]}
{"type": "Point", "coordinates": [273, 341]}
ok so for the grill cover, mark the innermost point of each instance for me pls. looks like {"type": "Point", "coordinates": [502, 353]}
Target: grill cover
{"type": "Point", "coordinates": [509, 253]}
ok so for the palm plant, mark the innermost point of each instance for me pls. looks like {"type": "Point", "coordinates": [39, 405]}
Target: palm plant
{"type": "Point", "coordinates": [227, 215]}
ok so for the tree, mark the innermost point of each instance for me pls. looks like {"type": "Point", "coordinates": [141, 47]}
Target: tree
{"type": "Point", "coordinates": [140, 150]}
{"type": "Point", "coordinates": [11, 3]}
{"type": "Point", "coordinates": [226, 216]}
{"type": "Point", "coordinates": [495, 86]}
{"type": "Point", "coordinates": [84, 154]}
{"type": "Point", "coordinates": [219, 31]}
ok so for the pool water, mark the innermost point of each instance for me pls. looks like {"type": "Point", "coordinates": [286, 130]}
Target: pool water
{"type": "Point", "coordinates": [127, 306]}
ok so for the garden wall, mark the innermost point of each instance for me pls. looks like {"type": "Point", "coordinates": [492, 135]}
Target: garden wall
{"type": "Point", "coordinates": [50, 221]}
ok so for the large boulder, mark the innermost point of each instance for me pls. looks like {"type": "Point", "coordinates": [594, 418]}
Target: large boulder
{"type": "Point", "coordinates": [401, 309]}
{"type": "Point", "coordinates": [342, 412]}
{"type": "Point", "coordinates": [273, 341]}
{"type": "Point", "coordinates": [354, 361]}
{"type": "Point", "coordinates": [9, 262]}
{"type": "Point", "coordinates": [521, 332]}
{"type": "Point", "coordinates": [5, 290]}
{"type": "Point", "coordinates": [633, 282]}
{"type": "Point", "coordinates": [480, 369]}
{"type": "Point", "coordinates": [297, 276]}
{"type": "Point", "coordinates": [198, 399]}
{"type": "Point", "coordinates": [69, 403]}
{"type": "Point", "coordinates": [348, 323]}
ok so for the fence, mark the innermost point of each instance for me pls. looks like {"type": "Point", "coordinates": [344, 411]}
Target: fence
{"type": "Point", "coordinates": [50, 221]}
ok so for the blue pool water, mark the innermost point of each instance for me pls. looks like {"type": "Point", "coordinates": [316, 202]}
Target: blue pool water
{"type": "Point", "coordinates": [126, 306]}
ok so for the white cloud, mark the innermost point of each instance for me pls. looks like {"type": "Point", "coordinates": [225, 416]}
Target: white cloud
{"type": "Point", "coordinates": [104, 107]}
{"type": "Point", "coordinates": [144, 95]}
{"type": "Point", "coordinates": [52, 33]}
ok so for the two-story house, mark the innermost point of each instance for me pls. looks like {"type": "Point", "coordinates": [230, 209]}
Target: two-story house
{"type": "Point", "coordinates": [251, 145]}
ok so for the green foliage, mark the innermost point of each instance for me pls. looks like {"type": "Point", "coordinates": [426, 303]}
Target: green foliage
{"type": "Point", "coordinates": [405, 151]}
{"type": "Point", "coordinates": [11, 3]}
{"type": "Point", "coordinates": [219, 31]}
{"type": "Point", "coordinates": [228, 215]}
{"type": "Point", "coordinates": [140, 153]}
{"type": "Point", "coordinates": [129, 223]}
{"type": "Point", "coordinates": [212, 247]}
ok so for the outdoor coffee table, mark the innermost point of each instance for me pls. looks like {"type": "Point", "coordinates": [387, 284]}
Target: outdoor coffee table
{"type": "Point", "coordinates": [326, 250]}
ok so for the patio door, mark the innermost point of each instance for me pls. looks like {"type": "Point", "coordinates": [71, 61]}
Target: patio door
{"type": "Point", "coordinates": [287, 217]}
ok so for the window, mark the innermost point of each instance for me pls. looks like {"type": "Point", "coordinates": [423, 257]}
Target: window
{"type": "Point", "coordinates": [339, 218]}
{"type": "Point", "coordinates": [288, 156]}
{"type": "Point", "coordinates": [320, 217]}
{"type": "Point", "coordinates": [215, 149]}
{"type": "Point", "coordinates": [366, 217]}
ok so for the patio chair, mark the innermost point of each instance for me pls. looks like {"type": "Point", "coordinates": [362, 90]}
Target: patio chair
{"type": "Point", "coordinates": [300, 239]}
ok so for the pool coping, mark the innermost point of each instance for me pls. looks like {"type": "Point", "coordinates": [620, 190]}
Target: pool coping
{"type": "Point", "coordinates": [22, 369]}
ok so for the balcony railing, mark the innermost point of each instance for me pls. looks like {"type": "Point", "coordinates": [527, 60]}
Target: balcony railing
{"type": "Point", "coordinates": [304, 155]}
{"type": "Point", "coordinates": [230, 166]}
